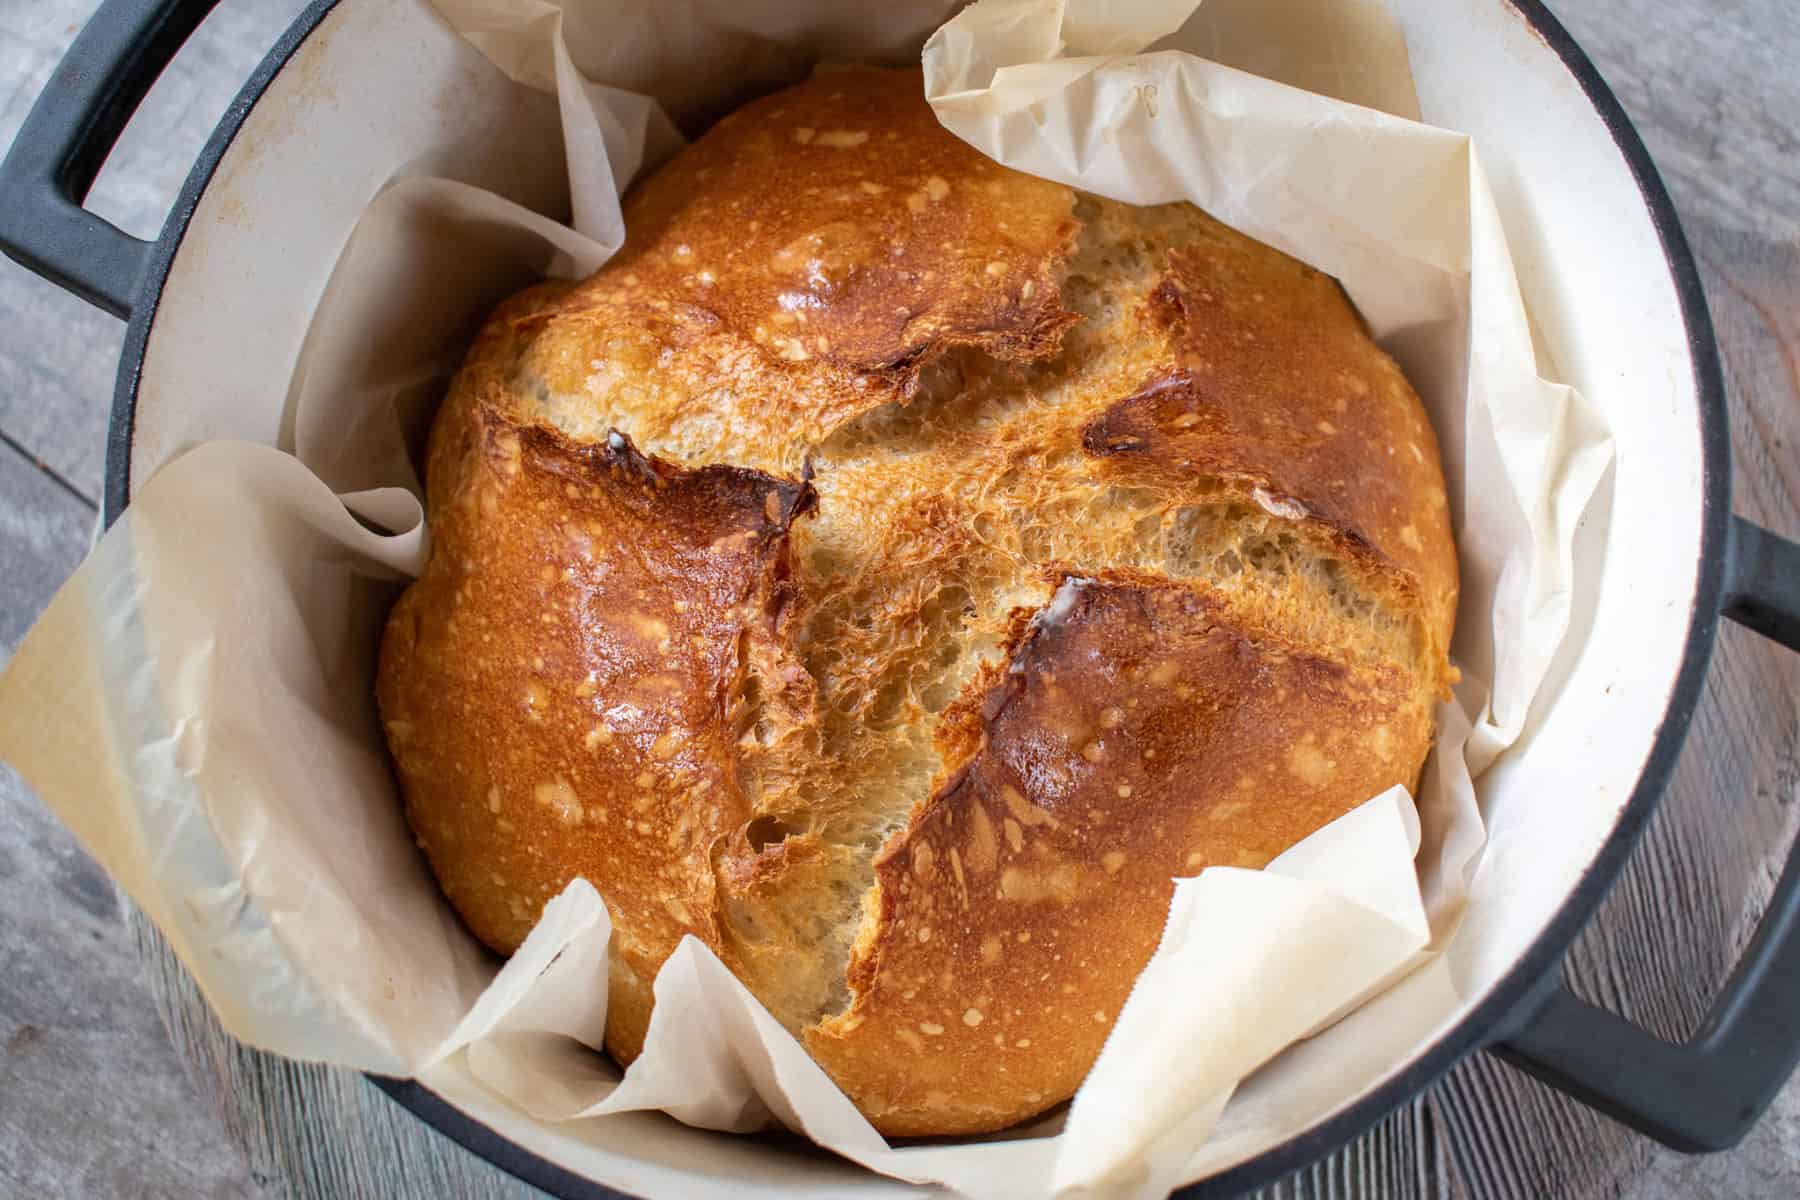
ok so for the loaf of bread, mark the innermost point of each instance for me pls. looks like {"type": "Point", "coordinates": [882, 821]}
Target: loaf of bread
{"type": "Point", "coordinates": [895, 571]}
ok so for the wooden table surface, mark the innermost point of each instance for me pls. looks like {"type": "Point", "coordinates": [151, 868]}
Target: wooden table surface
{"type": "Point", "coordinates": [96, 1100]}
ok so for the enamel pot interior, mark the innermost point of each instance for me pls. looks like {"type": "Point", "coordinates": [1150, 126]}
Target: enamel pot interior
{"type": "Point", "coordinates": [1617, 313]}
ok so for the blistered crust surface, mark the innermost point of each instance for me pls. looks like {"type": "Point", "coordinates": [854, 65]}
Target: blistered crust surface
{"type": "Point", "coordinates": [1132, 739]}
{"type": "Point", "coordinates": [792, 269]}
{"type": "Point", "coordinates": [808, 678]}
{"type": "Point", "coordinates": [1333, 435]}
{"type": "Point", "coordinates": [558, 686]}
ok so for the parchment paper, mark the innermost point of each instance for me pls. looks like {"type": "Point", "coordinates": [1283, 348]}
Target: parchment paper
{"type": "Point", "coordinates": [196, 704]}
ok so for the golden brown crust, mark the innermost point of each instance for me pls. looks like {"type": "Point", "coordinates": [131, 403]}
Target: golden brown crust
{"type": "Point", "coordinates": [558, 686]}
{"type": "Point", "coordinates": [812, 704]}
{"type": "Point", "coordinates": [1128, 743]}
{"type": "Point", "coordinates": [793, 269]}
{"type": "Point", "coordinates": [1332, 435]}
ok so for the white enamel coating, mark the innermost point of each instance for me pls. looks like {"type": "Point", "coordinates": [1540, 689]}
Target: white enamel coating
{"type": "Point", "coordinates": [1592, 272]}
{"type": "Point", "coordinates": [374, 75]}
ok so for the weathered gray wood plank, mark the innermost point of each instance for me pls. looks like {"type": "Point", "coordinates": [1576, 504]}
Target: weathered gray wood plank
{"type": "Point", "coordinates": [59, 356]}
{"type": "Point", "coordinates": [56, 376]}
{"type": "Point", "coordinates": [319, 1132]}
{"type": "Point", "coordinates": [93, 1099]}
{"type": "Point", "coordinates": [44, 528]}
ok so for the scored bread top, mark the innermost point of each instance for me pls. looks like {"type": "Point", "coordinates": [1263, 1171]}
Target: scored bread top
{"type": "Point", "coordinates": [894, 571]}
{"type": "Point", "coordinates": [795, 268]}
{"type": "Point", "coordinates": [1197, 743]}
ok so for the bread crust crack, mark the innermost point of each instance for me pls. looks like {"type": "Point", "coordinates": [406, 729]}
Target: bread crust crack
{"type": "Point", "coordinates": [995, 555]}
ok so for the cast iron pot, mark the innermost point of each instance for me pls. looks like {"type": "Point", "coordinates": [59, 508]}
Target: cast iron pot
{"type": "Point", "coordinates": [284, 129]}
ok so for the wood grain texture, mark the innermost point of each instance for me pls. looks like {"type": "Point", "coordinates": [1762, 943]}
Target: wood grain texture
{"type": "Point", "coordinates": [93, 1101]}
{"type": "Point", "coordinates": [44, 526]}
{"type": "Point", "coordinates": [1712, 89]}
{"type": "Point", "coordinates": [59, 354]}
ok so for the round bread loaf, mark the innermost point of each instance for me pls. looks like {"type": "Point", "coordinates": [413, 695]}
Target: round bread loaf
{"type": "Point", "coordinates": [894, 571]}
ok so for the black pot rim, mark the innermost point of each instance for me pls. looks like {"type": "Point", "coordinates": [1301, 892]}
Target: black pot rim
{"type": "Point", "coordinates": [1483, 1024]}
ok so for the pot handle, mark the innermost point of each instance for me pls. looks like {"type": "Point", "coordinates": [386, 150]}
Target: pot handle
{"type": "Point", "coordinates": [67, 136]}
{"type": "Point", "coordinates": [1706, 1094]}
